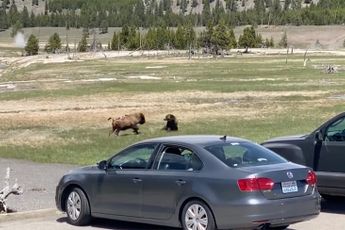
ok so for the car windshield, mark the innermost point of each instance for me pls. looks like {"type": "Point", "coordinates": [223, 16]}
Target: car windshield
{"type": "Point", "coordinates": [243, 154]}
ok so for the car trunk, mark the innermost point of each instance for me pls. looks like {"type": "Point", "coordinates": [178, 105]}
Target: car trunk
{"type": "Point", "coordinates": [289, 180]}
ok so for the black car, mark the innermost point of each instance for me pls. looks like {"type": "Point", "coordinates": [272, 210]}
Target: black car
{"type": "Point", "coordinates": [323, 150]}
{"type": "Point", "coordinates": [194, 182]}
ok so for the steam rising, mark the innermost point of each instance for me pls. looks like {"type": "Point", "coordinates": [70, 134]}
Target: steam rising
{"type": "Point", "coordinates": [19, 40]}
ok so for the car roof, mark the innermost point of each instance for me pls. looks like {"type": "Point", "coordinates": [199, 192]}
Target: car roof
{"type": "Point", "coordinates": [201, 140]}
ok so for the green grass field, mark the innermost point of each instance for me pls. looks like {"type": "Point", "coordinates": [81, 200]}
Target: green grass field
{"type": "Point", "coordinates": [58, 112]}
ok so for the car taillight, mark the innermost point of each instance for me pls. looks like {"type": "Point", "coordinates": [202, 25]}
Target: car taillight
{"type": "Point", "coordinates": [311, 178]}
{"type": "Point", "coordinates": [255, 184]}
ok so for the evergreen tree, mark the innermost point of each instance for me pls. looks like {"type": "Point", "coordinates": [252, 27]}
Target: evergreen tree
{"type": "Point", "coordinates": [206, 13]}
{"type": "Point", "coordinates": [284, 40]}
{"type": "Point", "coordinates": [248, 39]}
{"type": "Point", "coordinates": [25, 19]}
{"type": "Point", "coordinates": [124, 35]}
{"type": "Point", "coordinates": [162, 37]}
{"type": "Point", "coordinates": [232, 42]}
{"type": "Point", "coordinates": [46, 7]}
{"type": "Point", "coordinates": [3, 19]}
{"type": "Point", "coordinates": [180, 38]}
{"type": "Point", "coordinates": [82, 46]}
{"type": "Point", "coordinates": [13, 14]}
{"type": "Point", "coordinates": [32, 47]}
{"type": "Point", "coordinates": [133, 41]}
{"type": "Point", "coordinates": [190, 35]}
{"type": "Point", "coordinates": [104, 27]}
{"type": "Point", "coordinates": [33, 20]}
{"type": "Point", "coordinates": [150, 39]}
{"type": "Point", "coordinates": [114, 42]}
{"type": "Point", "coordinates": [222, 38]}
{"type": "Point", "coordinates": [16, 27]}
{"type": "Point", "coordinates": [54, 43]}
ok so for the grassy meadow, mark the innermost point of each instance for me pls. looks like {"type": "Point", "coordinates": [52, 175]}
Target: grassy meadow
{"type": "Point", "coordinates": [57, 112]}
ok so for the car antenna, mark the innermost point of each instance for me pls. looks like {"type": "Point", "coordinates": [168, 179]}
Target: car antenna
{"type": "Point", "coordinates": [223, 138]}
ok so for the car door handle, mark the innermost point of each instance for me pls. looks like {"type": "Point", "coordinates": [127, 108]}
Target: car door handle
{"type": "Point", "coordinates": [137, 180]}
{"type": "Point", "coordinates": [180, 182]}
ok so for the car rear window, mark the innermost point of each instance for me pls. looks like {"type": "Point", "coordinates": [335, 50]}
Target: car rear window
{"type": "Point", "coordinates": [242, 154]}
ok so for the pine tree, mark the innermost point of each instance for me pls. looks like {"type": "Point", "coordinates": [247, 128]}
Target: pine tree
{"type": "Point", "coordinates": [124, 35]}
{"type": "Point", "coordinates": [133, 41]}
{"type": "Point", "coordinates": [150, 40]}
{"type": "Point", "coordinates": [104, 27]}
{"type": "Point", "coordinates": [222, 38]}
{"type": "Point", "coordinates": [16, 27]}
{"type": "Point", "coordinates": [284, 41]}
{"type": "Point", "coordinates": [32, 47]}
{"type": "Point", "coordinates": [25, 19]}
{"type": "Point", "coordinates": [82, 46]}
{"type": "Point", "coordinates": [180, 38]}
{"type": "Point", "coordinates": [190, 35]}
{"type": "Point", "coordinates": [114, 42]}
{"type": "Point", "coordinates": [248, 39]}
{"type": "Point", "coordinates": [3, 19]}
{"type": "Point", "coordinates": [13, 14]}
{"type": "Point", "coordinates": [54, 43]}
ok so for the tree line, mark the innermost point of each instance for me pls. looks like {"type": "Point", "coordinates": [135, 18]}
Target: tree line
{"type": "Point", "coordinates": [152, 13]}
{"type": "Point", "coordinates": [214, 40]}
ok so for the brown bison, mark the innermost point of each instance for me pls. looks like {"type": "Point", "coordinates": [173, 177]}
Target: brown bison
{"type": "Point", "coordinates": [171, 124]}
{"type": "Point", "coordinates": [129, 121]}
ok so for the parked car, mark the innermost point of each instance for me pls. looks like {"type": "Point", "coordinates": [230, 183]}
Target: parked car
{"type": "Point", "coordinates": [194, 182]}
{"type": "Point", "coordinates": [323, 150]}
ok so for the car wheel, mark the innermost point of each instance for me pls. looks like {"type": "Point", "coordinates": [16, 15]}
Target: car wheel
{"type": "Point", "coordinates": [196, 215]}
{"type": "Point", "coordinates": [77, 208]}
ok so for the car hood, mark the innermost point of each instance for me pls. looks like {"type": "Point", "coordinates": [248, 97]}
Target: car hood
{"type": "Point", "coordinates": [288, 138]}
{"type": "Point", "coordinates": [85, 169]}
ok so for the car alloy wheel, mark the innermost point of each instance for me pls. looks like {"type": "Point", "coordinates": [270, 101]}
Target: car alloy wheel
{"type": "Point", "coordinates": [197, 216]}
{"type": "Point", "coordinates": [77, 207]}
{"type": "Point", "coordinates": [73, 205]}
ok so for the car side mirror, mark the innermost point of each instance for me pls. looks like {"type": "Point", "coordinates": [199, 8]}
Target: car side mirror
{"type": "Point", "coordinates": [102, 165]}
{"type": "Point", "coordinates": [318, 136]}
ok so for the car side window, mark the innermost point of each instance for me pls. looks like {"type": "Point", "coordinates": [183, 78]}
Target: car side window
{"type": "Point", "coordinates": [243, 154]}
{"type": "Point", "coordinates": [136, 157]}
{"type": "Point", "coordinates": [179, 158]}
{"type": "Point", "coordinates": [336, 131]}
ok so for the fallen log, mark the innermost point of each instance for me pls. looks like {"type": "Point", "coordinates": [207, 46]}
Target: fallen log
{"type": "Point", "coordinates": [8, 190]}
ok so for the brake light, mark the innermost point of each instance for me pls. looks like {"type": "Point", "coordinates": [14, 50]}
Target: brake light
{"type": "Point", "coordinates": [311, 178]}
{"type": "Point", "coordinates": [255, 184]}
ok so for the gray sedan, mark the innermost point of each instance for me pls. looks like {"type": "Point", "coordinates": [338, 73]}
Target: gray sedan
{"type": "Point", "coordinates": [194, 182]}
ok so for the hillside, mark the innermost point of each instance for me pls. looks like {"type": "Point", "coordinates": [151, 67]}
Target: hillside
{"type": "Point", "coordinates": [241, 5]}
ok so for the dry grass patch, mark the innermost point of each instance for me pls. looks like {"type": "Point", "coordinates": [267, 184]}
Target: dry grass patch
{"type": "Point", "coordinates": [92, 111]}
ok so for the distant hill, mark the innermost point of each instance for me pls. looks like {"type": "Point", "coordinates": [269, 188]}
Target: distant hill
{"type": "Point", "coordinates": [148, 13]}
{"type": "Point", "coordinates": [193, 6]}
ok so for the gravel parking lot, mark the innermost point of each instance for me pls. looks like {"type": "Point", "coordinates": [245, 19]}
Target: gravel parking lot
{"type": "Point", "coordinates": [326, 221]}
{"type": "Point", "coordinates": [38, 182]}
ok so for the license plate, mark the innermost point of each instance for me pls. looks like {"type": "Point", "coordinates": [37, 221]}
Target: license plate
{"type": "Point", "coordinates": [289, 186]}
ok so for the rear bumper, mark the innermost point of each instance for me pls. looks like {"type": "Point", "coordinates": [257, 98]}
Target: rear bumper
{"type": "Point", "coordinates": [253, 213]}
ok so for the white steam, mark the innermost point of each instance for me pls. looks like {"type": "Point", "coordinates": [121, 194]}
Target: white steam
{"type": "Point", "coordinates": [19, 40]}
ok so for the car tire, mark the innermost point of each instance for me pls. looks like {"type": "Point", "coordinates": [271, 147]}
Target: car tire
{"type": "Point", "coordinates": [77, 208]}
{"type": "Point", "coordinates": [202, 215]}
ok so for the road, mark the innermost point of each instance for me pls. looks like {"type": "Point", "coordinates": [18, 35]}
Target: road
{"type": "Point", "coordinates": [332, 217]}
